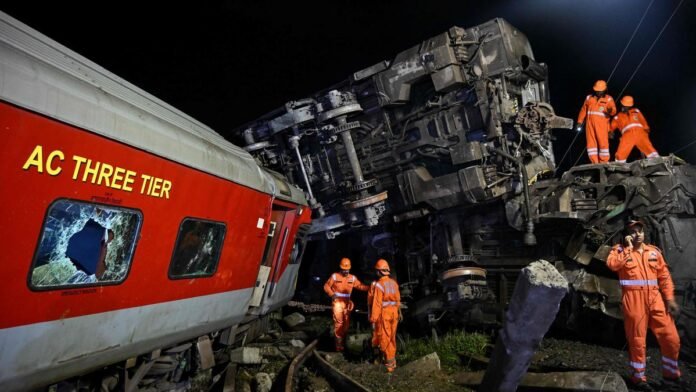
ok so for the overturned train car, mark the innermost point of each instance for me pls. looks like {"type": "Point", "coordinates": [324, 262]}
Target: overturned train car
{"type": "Point", "coordinates": [441, 160]}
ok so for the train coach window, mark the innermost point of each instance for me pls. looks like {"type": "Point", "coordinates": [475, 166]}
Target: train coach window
{"type": "Point", "coordinates": [84, 244]}
{"type": "Point", "coordinates": [197, 249]}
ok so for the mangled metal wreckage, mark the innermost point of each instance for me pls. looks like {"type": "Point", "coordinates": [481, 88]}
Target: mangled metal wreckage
{"type": "Point", "coordinates": [441, 160]}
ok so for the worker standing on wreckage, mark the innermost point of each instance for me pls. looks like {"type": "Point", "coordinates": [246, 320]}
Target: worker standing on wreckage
{"type": "Point", "coordinates": [339, 287]}
{"type": "Point", "coordinates": [648, 301]}
{"type": "Point", "coordinates": [594, 115]}
{"type": "Point", "coordinates": [634, 131]}
{"type": "Point", "coordinates": [385, 313]}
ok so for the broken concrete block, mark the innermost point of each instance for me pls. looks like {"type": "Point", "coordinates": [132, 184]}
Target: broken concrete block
{"type": "Point", "coordinates": [296, 343]}
{"type": "Point", "coordinates": [293, 320]}
{"type": "Point", "coordinates": [246, 355]}
{"type": "Point", "coordinates": [557, 381]}
{"type": "Point", "coordinates": [424, 365]}
{"type": "Point", "coordinates": [355, 343]}
{"type": "Point", "coordinates": [263, 382]}
{"type": "Point", "coordinates": [538, 293]}
{"type": "Point", "coordinates": [290, 351]}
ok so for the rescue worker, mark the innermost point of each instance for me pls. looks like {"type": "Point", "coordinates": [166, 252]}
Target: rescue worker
{"type": "Point", "coordinates": [634, 131]}
{"type": "Point", "coordinates": [594, 115]}
{"type": "Point", "coordinates": [385, 313]}
{"type": "Point", "coordinates": [339, 287]}
{"type": "Point", "coordinates": [374, 342]}
{"type": "Point", "coordinates": [647, 301]}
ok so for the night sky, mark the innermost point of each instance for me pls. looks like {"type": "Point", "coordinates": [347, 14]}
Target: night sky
{"type": "Point", "coordinates": [226, 62]}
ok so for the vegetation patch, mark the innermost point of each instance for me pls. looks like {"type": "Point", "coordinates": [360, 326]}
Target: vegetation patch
{"type": "Point", "coordinates": [447, 348]}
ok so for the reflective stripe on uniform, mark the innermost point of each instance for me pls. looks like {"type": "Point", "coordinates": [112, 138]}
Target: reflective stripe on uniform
{"type": "Point", "coordinates": [627, 127]}
{"type": "Point", "coordinates": [639, 374]}
{"type": "Point", "coordinates": [637, 365]}
{"type": "Point", "coordinates": [670, 361]}
{"type": "Point", "coordinates": [379, 286]}
{"type": "Point", "coordinates": [343, 295]}
{"type": "Point", "coordinates": [604, 152]}
{"type": "Point", "coordinates": [592, 112]}
{"type": "Point", "coordinates": [638, 282]}
{"type": "Point", "coordinates": [670, 369]}
{"type": "Point", "coordinates": [389, 303]}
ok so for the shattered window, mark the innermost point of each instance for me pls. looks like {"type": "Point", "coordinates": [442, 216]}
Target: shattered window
{"type": "Point", "coordinates": [197, 249]}
{"type": "Point", "coordinates": [84, 244]}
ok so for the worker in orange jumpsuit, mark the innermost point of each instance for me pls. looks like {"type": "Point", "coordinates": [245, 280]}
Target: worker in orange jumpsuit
{"type": "Point", "coordinates": [374, 342]}
{"type": "Point", "coordinates": [339, 287]}
{"type": "Point", "coordinates": [634, 131]}
{"type": "Point", "coordinates": [595, 114]}
{"type": "Point", "coordinates": [385, 313]}
{"type": "Point", "coordinates": [648, 301]}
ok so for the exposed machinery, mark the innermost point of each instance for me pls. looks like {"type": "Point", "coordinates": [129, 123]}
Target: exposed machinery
{"type": "Point", "coordinates": [441, 159]}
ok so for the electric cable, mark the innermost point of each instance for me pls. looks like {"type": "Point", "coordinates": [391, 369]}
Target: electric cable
{"type": "Point", "coordinates": [629, 41]}
{"type": "Point", "coordinates": [651, 46]}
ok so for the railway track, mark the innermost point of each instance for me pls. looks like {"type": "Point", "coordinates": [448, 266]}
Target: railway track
{"type": "Point", "coordinates": [339, 381]}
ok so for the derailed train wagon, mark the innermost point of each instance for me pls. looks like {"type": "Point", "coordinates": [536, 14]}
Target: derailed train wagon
{"type": "Point", "coordinates": [441, 160]}
{"type": "Point", "coordinates": [135, 239]}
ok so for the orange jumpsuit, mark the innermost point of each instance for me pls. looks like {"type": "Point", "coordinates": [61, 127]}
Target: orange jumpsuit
{"type": "Point", "coordinates": [646, 285]}
{"type": "Point", "coordinates": [339, 288]}
{"type": "Point", "coordinates": [375, 330]}
{"type": "Point", "coordinates": [634, 132]}
{"type": "Point", "coordinates": [384, 313]}
{"type": "Point", "coordinates": [598, 111]}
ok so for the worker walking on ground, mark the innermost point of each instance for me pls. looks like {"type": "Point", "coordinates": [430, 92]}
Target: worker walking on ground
{"type": "Point", "coordinates": [385, 313]}
{"type": "Point", "coordinates": [595, 114]}
{"type": "Point", "coordinates": [648, 301]}
{"type": "Point", "coordinates": [339, 287]}
{"type": "Point", "coordinates": [374, 342]}
{"type": "Point", "coordinates": [634, 131]}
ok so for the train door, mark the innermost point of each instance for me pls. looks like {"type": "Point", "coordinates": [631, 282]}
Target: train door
{"type": "Point", "coordinates": [266, 263]}
{"type": "Point", "coordinates": [284, 244]}
{"type": "Point", "coordinates": [276, 247]}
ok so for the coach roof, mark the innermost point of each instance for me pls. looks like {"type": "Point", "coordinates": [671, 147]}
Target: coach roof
{"type": "Point", "coordinates": [41, 75]}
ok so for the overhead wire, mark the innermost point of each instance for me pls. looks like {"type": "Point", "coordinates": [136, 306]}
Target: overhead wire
{"type": "Point", "coordinates": [629, 41]}
{"type": "Point", "coordinates": [651, 46]}
{"type": "Point", "coordinates": [640, 22]}
{"type": "Point", "coordinates": [647, 53]}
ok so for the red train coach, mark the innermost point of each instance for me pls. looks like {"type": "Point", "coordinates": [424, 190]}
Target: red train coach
{"type": "Point", "coordinates": [128, 227]}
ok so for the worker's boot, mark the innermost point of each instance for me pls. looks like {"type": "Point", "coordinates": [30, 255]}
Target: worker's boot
{"type": "Point", "coordinates": [672, 385]}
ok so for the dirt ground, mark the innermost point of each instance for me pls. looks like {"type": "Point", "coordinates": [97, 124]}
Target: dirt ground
{"type": "Point", "coordinates": [553, 355]}
{"type": "Point", "coordinates": [573, 355]}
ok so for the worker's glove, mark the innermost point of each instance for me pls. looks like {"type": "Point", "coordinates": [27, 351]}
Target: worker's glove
{"type": "Point", "coordinates": [401, 316]}
{"type": "Point", "coordinates": [673, 308]}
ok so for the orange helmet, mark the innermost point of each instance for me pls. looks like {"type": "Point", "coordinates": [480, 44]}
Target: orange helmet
{"type": "Point", "coordinates": [627, 100]}
{"type": "Point", "coordinates": [633, 223]}
{"type": "Point", "coordinates": [600, 85]}
{"type": "Point", "coordinates": [345, 263]}
{"type": "Point", "coordinates": [382, 265]}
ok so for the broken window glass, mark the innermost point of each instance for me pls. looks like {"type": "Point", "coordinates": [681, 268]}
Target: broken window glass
{"type": "Point", "coordinates": [197, 249]}
{"type": "Point", "coordinates": [84, 244]}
